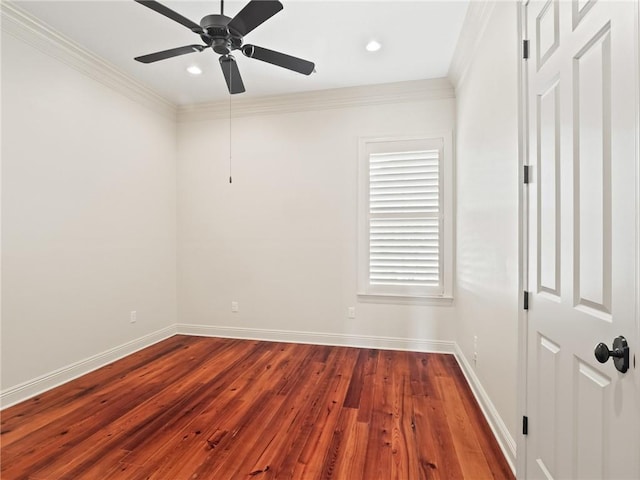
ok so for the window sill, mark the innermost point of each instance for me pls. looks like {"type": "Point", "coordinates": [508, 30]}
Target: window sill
{"type": "Point", "coordinates": [439, 300]}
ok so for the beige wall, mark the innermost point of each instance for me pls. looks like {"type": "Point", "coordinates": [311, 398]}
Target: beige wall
{"type": "Point", "coordinates": [487, 211]}
{"type": "Point", "coordinates": [88, 216]}
{"type": "Point", "coordinates": [89, 220]}
{"type": "Point", "coordinates": [281, 240]}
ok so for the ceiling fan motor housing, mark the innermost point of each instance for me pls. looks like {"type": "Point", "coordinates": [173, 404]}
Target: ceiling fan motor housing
{"type": "Point", "coordinates": [218, 36]}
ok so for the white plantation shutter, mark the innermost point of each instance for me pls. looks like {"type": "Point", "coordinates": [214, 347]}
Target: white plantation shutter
{"type": "Point", "coordinates": [405, 220]}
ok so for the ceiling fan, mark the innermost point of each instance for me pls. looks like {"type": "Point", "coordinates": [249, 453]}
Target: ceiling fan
{"type": "Point", "coordinates": [224, 35]}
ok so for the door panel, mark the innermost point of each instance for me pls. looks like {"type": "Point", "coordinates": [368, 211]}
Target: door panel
{"type": "Point", "coordinates": [547, 32]}
{"type": "Point", "coordinates": [592, 175]}
{"type": "Point", "coordinates": [590, 408]}
{"type": "Point", "coordinates": [548, 146]}
{"type": "Point", "coordinates": [548, 357]}
{"type": "Point", "coordinates": [582, 78]}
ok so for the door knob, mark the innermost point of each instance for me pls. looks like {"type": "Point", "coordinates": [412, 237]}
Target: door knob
{"type": "Point", "coordinates": [620, 353]}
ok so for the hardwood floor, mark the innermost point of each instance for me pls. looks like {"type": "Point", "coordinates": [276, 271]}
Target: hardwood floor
{"type": "Point", "coordinates": [209, 408]}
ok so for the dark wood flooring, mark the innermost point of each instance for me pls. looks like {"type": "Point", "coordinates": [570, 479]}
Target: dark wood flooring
{"type": "Point", "coordinates": [210, 408]}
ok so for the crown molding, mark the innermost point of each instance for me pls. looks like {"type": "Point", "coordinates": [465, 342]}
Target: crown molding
{"type": "Point", "coordinates": [34, 32]}
{"type": "Point", "coordinates": [473, 28]}
{"type": "Point", "coordinates": [400, 92]}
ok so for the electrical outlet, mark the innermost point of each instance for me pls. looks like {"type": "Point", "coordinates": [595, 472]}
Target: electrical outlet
{"type": "Point", "coordinates": [133, 317]}
{"type": "Point", "coordinates": [351, 312]}
{"type": "Point", "coordinates": [475, 350]}
{"type": "Point", "coordinates": [234, 307]}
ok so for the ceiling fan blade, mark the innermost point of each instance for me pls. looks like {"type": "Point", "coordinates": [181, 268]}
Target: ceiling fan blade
{"type": "Point", "coordinates": [175, 16]}
{"type": "Point", "coordinates": [174, 52]}
{"type": "Point", "coordinates": [280, 59]}
{"type": "Point", "coordinates": [231, 74]}
{"type": "Point", "coordinates": [253, 14]}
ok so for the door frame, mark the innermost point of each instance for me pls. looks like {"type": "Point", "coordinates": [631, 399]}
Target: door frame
{"type": "Point", "coordinates": [523, 239]}
{"type": "Point", "coordinates": [636, 354]}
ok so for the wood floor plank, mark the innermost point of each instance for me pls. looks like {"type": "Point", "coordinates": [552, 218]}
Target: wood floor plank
{"type": "Point", "coordinates": [365, 408]}
{"type": "Point", "coordinates": [311, 461]}
{"type": "Point", "coordinates": [427, 442]}
{"type": "Point", "coordinates": [471, 458]}
{"type": "Point", "coordinates": [378, 456]}
{"type": "Point", "coordinates": [488, 443]}
{"type": "Point", "coordinates": [352, 398]}
{"type": "Point", "coordinates": [422, 375]}
{"type": "Point", "coordinates": [285, 454]}
{"type": "Point", "coordinates": [346, 453]}
{"type": "Point", "coordinates": [400, 436]}
{"type": "Point", "coordinates": [211, 408]}
{"type": "Point", "coordinates": [414, 461]}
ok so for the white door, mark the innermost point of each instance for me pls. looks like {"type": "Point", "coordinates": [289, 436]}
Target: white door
{"type": "Point", "coordinates": [582, 74]}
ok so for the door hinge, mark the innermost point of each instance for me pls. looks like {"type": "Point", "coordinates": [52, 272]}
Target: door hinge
{"type": "Point", "coordinates": [525, 425]}
{"type": "Point", "coordinates": [525, 49]}
{"type": "Point", "coordinates": [526, 175]}
{"type": "Point", "coordinates": [525, 301]}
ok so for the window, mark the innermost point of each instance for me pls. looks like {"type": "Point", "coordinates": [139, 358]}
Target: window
{"type": "Point", "coordinates": [405, 239]}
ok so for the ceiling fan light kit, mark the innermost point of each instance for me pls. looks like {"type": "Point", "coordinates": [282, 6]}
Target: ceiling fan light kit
{"type": "Point", "coordinates": [224, 35]}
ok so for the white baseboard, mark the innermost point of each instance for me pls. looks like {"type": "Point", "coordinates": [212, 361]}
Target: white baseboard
{"type": "Point", "coordinates": [335, 339]}
{"type": "Point", "coordinates": [41, 384]}
{"type": "Point", "coordinates": [498, 427]}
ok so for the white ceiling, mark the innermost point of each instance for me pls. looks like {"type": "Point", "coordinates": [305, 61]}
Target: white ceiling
{"type": "Point", "coordinates": [418, 40]}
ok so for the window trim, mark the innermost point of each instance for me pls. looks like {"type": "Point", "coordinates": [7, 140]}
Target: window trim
{"type": "Point", "coordinates": [385, 294]}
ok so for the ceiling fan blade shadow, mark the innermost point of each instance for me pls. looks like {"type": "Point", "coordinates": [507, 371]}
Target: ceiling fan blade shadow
{"type": "Point", "coordinates": [173, 52]}
{"type": "Point", "coordinates": [231, 74]}
{"type": "Point", "coordinates": [254, 14]}
{"type": "Point", "coordinates": [175, 16]}
{"type": "Point", "coordinates": [280, 59]}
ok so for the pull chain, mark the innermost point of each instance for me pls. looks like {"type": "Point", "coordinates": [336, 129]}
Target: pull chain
{"type": "Point", "coordinates": [230, 153]}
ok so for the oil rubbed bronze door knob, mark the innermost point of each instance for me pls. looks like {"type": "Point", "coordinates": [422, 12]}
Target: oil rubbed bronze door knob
{"type": "Point", "coordinates": [620, 353]}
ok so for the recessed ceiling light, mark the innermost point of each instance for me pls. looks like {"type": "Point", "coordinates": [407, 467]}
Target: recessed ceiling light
{"type": "Point", "coordinates": [373, 46]}
{"type": "Point", "coordinates": [194, 70]}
